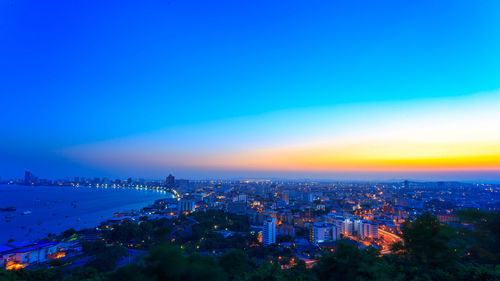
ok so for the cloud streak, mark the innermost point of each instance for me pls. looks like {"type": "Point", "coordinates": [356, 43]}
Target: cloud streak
{"type": "Point", "coordinates": [445, 134]}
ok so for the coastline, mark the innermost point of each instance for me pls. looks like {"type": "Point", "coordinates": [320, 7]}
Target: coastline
{"type": "Point", "coordinates": [55, 209]}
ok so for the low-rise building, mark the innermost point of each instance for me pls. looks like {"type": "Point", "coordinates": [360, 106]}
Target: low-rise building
{"type": "Point", "coordinates": [17, 255]}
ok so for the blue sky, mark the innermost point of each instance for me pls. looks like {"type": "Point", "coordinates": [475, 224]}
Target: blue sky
{"type": "Point", "coordinates": [77, 73]}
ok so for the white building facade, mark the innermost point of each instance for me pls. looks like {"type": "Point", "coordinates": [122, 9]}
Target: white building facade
{"type": "Point", "coordinates": [269, 232]}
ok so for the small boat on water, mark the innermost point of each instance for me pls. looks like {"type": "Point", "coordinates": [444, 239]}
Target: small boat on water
{"type": "Point", "coordinates": [8, 209]}
{"type": "Point", "coordinates": [26, 213]}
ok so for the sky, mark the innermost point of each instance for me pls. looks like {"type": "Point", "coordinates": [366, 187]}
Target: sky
{"type": "Point", "coordinates": [344, 90]}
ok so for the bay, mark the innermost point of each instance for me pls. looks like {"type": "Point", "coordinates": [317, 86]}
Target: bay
{"type": "Point", "coordinates": [57, 208]}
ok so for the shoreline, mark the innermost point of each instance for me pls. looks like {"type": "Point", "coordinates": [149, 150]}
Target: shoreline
{"type": "Point", "coordinates": [55, 216]}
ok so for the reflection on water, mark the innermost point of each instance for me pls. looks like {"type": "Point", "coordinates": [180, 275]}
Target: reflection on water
{"type": "Point", "coordinates": [41, 210]}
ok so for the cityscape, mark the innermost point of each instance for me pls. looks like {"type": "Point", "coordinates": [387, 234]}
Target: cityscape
{"type": "Point", "coordinates": [287, 221]}
{"type": "Point", "coordinates": [252, 140]}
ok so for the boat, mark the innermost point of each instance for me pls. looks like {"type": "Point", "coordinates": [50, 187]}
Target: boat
{"type": "Point", "coordinates": [8, 209]}
{"type": "Point", "coordinates": [26, 213]}
{"type": "Point", "coordinates": [9, 218]}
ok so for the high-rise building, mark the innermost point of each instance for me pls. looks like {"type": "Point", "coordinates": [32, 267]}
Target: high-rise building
{"type": "Point", "coordinates": [368, 229]}
{"type": "Point", "coordinates": [269, 232]}
{"type": "Point", "coordinates": [339, 223]}
{"type": "Point", "coordinates": [285, 196]}
{"type": "Point", "coordinates": [406, 184]}
{"type": "Point", "coordinates": [357, 226]}
{"type": "Point", "coordinates": [348, 227]}
{"type": "Point", "coordinates": [28, 177]}
{"type": "Point", "coordinates": [372, 229]}
{"type": "Point", "coordinates": [170, 184]}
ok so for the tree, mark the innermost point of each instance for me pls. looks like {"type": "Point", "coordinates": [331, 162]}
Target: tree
{"type": "Point", "coordinates": [92, 248]}
{"type": "Point", "coordinates": [107, 258]}
{"type": "Point", "coordinates": [103, 258]}
{"type": "Point", "coordinates": [348, 262]}
{"type": "Point", "coordinates": [428, 243]}
{"type": "Point", "coordinates": [131, 272]}
{"type": "Point", "coordinates": [165, 262]}
{"type": "Point", "coordinates": [87, 274]}
{"type": "Point", "coordinates": [483, 239]}
{"type": "Point", "coordinates": [67, 233]}
{"type": "Point", "coordinates": [235, 264]}
{"type": "Point", "coordinates": [299, 272]}
{"type": "Point", "coordinates": [268, 272]}
{"type": "Point", "coordinates": [430, 251]}
{"type": "Point", "coordinates": [203, 267]}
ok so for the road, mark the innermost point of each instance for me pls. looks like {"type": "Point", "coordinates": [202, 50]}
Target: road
{"type": "Point", "coordinates": [393, 237]}
{"type": "Point", "coordinates": [390, 238]}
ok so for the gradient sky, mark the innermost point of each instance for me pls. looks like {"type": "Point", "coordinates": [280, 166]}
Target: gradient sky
{"type": "Point", "coordinates": [366, 90]}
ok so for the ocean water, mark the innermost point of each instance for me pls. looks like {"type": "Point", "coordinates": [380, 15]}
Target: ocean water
{"type": "Point", "coordinates": [55, 209]}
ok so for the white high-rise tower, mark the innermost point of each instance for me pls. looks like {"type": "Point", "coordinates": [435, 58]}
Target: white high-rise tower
{"type": "Point", "coordinates": [269, 232]}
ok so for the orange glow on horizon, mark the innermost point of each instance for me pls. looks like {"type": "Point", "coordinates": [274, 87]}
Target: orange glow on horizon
{"type": "Point", "coordinates": [445, 135]}
{"type": "Point", "coordinates": [371, 157]}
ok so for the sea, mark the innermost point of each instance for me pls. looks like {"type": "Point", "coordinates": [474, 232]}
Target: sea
{"type": "Point", "coordinates": [53, 209]}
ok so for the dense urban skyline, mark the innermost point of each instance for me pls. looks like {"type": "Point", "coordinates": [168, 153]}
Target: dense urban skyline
{"type": "Point", "coordinates": [335, 90]}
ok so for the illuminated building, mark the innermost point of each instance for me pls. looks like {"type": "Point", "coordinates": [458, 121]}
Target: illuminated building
{"type": "Point", "coordinates": [17, 255]}
{"type": "Point", "coordinates": [187, 205]}
{"type": "Point", "coordinates": [368, 229]}
{"type": "Point", "coordinates": [357, 226]}
{"type": "Point", "coordinates": [348, 228]}
{"type": "Point", "coordinates": [323, 231]}
{"type": "Point", "coordinates": [269, 232]}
